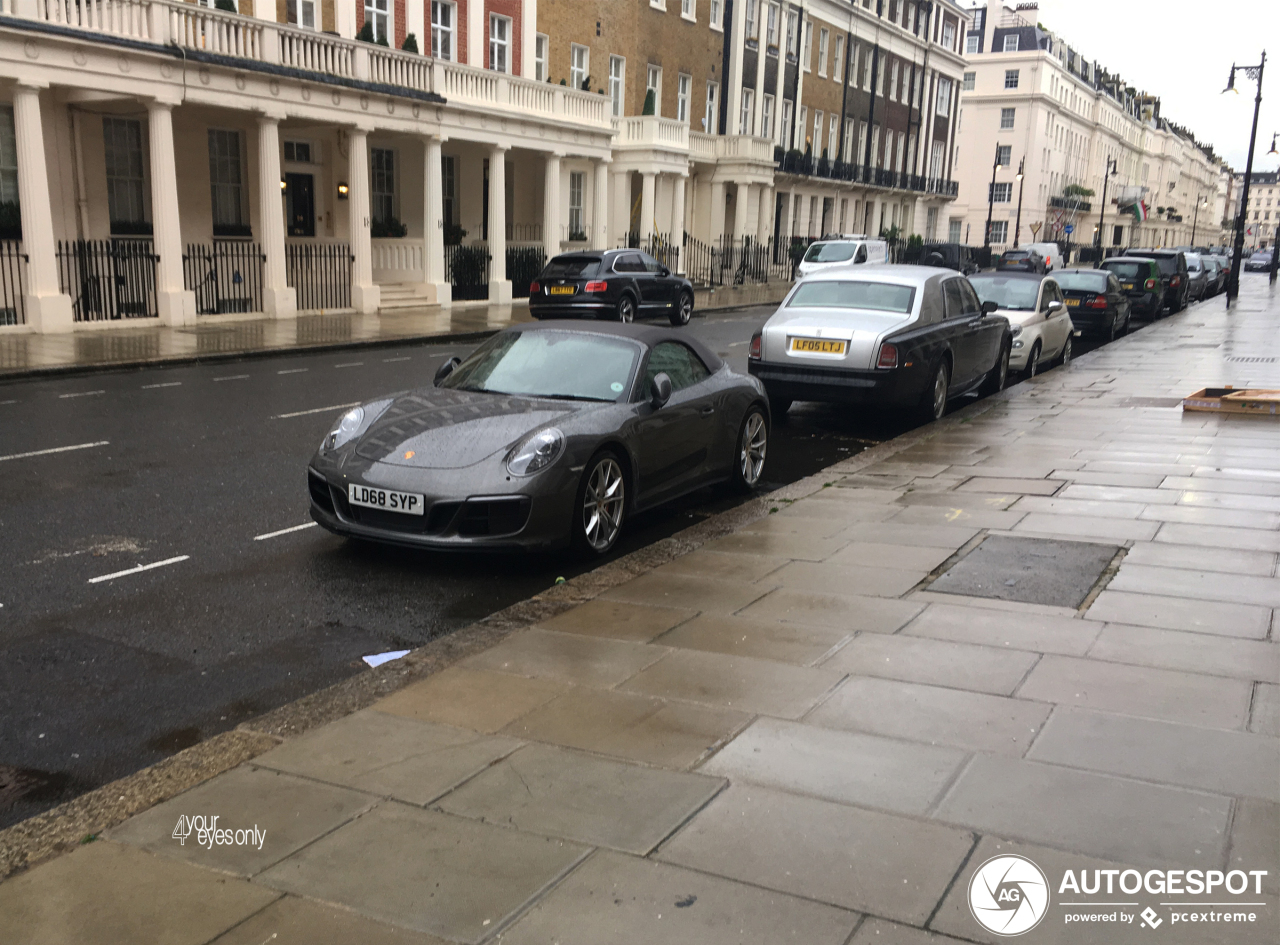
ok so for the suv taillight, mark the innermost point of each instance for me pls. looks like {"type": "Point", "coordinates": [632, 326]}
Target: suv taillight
{"type": "Point", "coordinates": [596, 287]}
{"type": "Point", "coordinates": [1175, 281]}
{"type": "Point", "coordinates": [1149, 284]}
{"type": "Point", "coordinates": [754, 352]}
{"type": "Point", "coordinates": [535, 287]}
{"type": "Point", "coordinates": [888, 356]}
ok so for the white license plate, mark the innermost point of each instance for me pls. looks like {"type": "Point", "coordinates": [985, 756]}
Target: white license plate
{"type": "Point", "coordinates": [408, 503]}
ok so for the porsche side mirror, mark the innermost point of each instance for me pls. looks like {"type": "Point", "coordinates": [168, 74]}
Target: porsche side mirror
{"type": "Point", "coordinates": [990, 306]}
{"type": "Point", "coordinates": [445, 370]}
{"type": "Point", "coordinates": [659, 390]}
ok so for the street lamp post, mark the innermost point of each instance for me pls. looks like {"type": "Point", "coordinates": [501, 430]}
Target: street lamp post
{"type": "Point", "coordinates": [1017, 226]}
{"type": "Point", "coordinates": [1237, 249]}
{"type": "Point", "coordinates": [1275, 234]}
{"type": "Point", "coordinates": [991, 200]}
{"type": "Point", "coordinates": [1106, 175]}
{"type": "Point", "coordinates": [1195, 217]}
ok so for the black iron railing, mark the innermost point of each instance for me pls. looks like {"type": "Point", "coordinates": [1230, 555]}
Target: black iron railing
{"type": "Point", "coordinates": [795, 162]}
{"type": "Point", "coordinates": [524, 263]}
{"type": "Point", "coordinates": [13, 266]}
{"type": "Point", "coordinates": [320, 274]}
{"type": "Point", "coordinates": [468, 270]}
{"type": "Point", "coordinates": [660, 246]}
{"type": "Point", "coordinates": [742, 261]}
{"type": "Point", "coordinates": [108, 279]}
{"type": "Point", "coordinates": [225, 275]}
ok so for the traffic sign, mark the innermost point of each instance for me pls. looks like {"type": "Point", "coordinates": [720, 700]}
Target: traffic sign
{"type": "Point", "coordinates": [1069, 228]}
{"type": "Point", "coordinates": [1035, 228]}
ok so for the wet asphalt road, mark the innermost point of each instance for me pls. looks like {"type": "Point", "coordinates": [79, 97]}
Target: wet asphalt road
{"type": "Point", "coordinates": [200, 462]}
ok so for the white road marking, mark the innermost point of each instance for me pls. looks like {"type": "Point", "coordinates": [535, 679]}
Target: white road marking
{"type": "Point", "coordinates": [232, 377]}
{"type": "Point", "coordinates": [6, 402]}
{"type": "Point", "coordinates": [297, 370]}
{"type": "Point", "coordinates": [139, 568]}
{"type": "Point", "coordinates": [154, 386]}
{"type": "Point", "coordinates": [390, 360]}
{"type": "Point", "coordinates": [85, 393]}
{"type": "Point", "coordinates": [303, 413]}
{"type": "Point", "coordinates": [56, 449]}
{"type": "Point", "coordinates": [350, 364]}
{"type": "Point", "coordinates": [284, 531]}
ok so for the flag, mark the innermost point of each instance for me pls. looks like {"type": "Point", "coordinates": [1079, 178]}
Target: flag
{"type": "Point", "coordinates": [1141, 211]}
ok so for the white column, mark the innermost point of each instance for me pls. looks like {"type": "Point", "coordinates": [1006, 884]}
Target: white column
{"type": "Point", "coordinates": [48, 310]}
{"type": "Point", "coordinates": [600, 207]}
{"type": "Point", "coordinates": [741, 207]}
{"type": "Point", "coordinates": [499, 286]}
{"type": "Point", "coordinates": [278, 298]}
{"type": "Point", "coordinates": [802, 215]}
{"type": "Point", "coordinates": [550, 205]}
{"type": "Point", "coordinates": [647, 179]}
{"type": "Point", "coordinates": [764, 216]}
{"type": "Point", "coordinates": [716, 229]}
{"type": "Point", "coordinates": [415, 24]}
{"type": "Point", "coordinates": [365, 296]}
{"type": "Point", "coordinates": [477, 35]}
{"type": "Point", "coordinates": [176, 305]}
{"type": "Point", "coordinates": [678, 184]}
{"type": "Point", "coordinates": [439, 290]}
{"type": "Point", "coordinates": [620, 208]}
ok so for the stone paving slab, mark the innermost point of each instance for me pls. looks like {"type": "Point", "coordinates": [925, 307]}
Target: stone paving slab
{"type": "Point", "coordinates": [934, 662]}
{"type": "Point", "coordinates": [1008, 486]}
{"type": "Point", "coordinates": [881, 932]}
{"type": "Point", "coordinates": [1174, 613]}
{"type": "Point", "coordinates": [294, 921]}
{"type": "Point", "coordinates": [1230, 560]}
{"type": "Point", "coordinates": [1255, 841]}
{"type": "Point", "coordinates": [844, 856]}
{"type": "Point", "coordinates": [428, 871]}
{"type": "Point", "coordinates": [671, 590]}
{"type": "Point", "coordinates": [1021, 630]}
{"type": "Point", "coordinates": [567, 658]}
{"type": "Point", "coordinates": [1265, 718]}
{"type": "Point", "coordinates": [618, 620]}
{"type": "Point", "coordinates": [1190, 652]}
{"type": "Point", "coordinates": [763, 639]}
{"type": "Point", "coordinates": [904, 557]}
{"type": "Point", "coordinates": [844, 612]}
{"type": "Point", "coordinates": [714, 564]}
{"type": "Point", "coordinates": [614, 899]}
{"type": "Point", "coordinates": [848, 767]}
{"type": "Point", "coordinates": [560, 793]}
{"type": "Point", "coordinates": [480, 700]}
{"type": "Point", "coordinates": [828, 577]}
{"type": "Point", "coordinates": [1198, 585]}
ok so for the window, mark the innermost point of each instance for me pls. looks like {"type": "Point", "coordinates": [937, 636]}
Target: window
{"type": "Point", "coordinates": [866, 69]}
{"type": "Point", "coordinates": [653, 83]}
{"type": "Point", "coordinates": [225, 183]}
{"type": "Point", "coordinates": [771, 27]}
{"type": "Point", "coordinates": [579, 65]}
{"type": "Point", "coordinates": [824, 38]}
{"type": "Point", "coordinates": [714, 17]}
{"type": "Point", "coordinates": [382, 185]}
{"type": "Point", "coordinates": [8, 159]}
{"type": "Point", "coordinates": [949, 34]}
{"type": "Point", "coordinates": [944, 96]}
{"type": "Point", "coordinates": [751, 19]}
{"type": "Point", "coordinates": [297, 152]}
{"type": "Point", "coordinates": [1006, 118]}
{"type": "Point", "coordinates": [306, 14]}
{"type": "Point", "coordinates": [449, 190]}
{"type": "Point", "coordinates": [745, 122]}
{"type": "Point", "coordinates": [802, 122]}
{"type": "Point", "coordinates": [617, 76]}
{"type": "Point", "coordinates": [784, 135]}
{"type": "Point", "coordinates": [817, 130]}
{"type": "Point", "coordinates": [1011, 42]}
{"type": "Point", "coordinates": [376, 17]}
{"type": "Point", "coordinates": [971, 44]}
{"type": "Point", "coordinates": [846, 150]}
{"type": "Point", "coordinates": [678, 363]}
{"type": "Point", "coordinates": [1004, 155]}
{"type": "Point", "coordinates": [541, 67]}
{"type": "Point", "coordinates": [833, 136]}
{"type": "Point", "coordinates": [709, 123]}
{"type": "Point", "coordinates": [499, 43]}
{"type": "Point", "coordinates": [791, 33]}
{"type": "Point", "coordinates": [689, 8]}
{"type": "Point", "coordinates": [577, 229]}
{"type": "Point", "coordinates": [877, 157]}
{"type": "Point", "coordinates": [970, 80]}
{"type": "Point", "coordinates": [806, 53]}
{"type": "Point", "coordinates": [936, 161]}
{"type": "Point", "coordinates": [1010, 78]}
{"type": "Point", "coordinates": [837, 66]}
{"type": "Point", "coordinates": [683, 88]}
{"type": "Point", "coordinates": [1000, 193]}
{"type": "Point", "coordinates": [953, 229]}
{"type": "Point", "coordinates": [893, 83]}
{"type": "Point", "coordinates": [125, 187]}
{"type": "Point", "coordinates": [766, 117]}
{"type": "Point", "coordinates": [999, 231]}
{"type": "Point", "coordinates": [442, 22]}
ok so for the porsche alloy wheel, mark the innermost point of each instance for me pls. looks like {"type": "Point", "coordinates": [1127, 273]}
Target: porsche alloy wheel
{"type": "Point", "coordinates": [602, 504]}
{"type": "Point", "coordinates": [753, 444]}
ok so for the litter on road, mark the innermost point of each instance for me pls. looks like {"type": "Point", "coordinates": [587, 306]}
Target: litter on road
{"type": "Point", "coordinates": [377, 659]}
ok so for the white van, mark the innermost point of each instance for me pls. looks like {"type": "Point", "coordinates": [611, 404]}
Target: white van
{"type": "Point", "coordinates": [842, 251]}
{"type": "Point", "coordinates": [1052, 255]}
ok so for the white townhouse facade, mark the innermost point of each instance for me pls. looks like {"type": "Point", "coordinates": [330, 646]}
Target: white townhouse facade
{"type": "Point", "coordinates": [1035, 103]}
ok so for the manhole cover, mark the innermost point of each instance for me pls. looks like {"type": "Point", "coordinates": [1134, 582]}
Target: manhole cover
{"type": "Point", "coordinates": [1029, 570]}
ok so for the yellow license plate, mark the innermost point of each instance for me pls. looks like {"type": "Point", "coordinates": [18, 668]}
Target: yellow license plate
{"type": "Point", "coordinates": [561, 290]}
{"type": "Point", "coordinates": [1127, 286]}
{"type": "Point", "coordinates": [817, 346]}
{"type": "Point", "coordinates": [1072, 303]}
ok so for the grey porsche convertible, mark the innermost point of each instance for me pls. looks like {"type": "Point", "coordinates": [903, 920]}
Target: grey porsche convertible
{"type": "Point", "coordinates": [547, 435]}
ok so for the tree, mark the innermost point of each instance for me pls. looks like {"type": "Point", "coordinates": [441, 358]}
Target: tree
{"type": "Point", "coordinates": [649, 103]}
{"type": "Point", "coordinates": [1076, 190]}
{"type": "Point", "coordinates": [366, 33]}
{"type": "Point", "coordinates": [410, 43]}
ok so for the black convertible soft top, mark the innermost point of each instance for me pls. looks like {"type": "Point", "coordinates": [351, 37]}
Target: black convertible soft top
{"type": "Point", "coordinates": [647, 335]}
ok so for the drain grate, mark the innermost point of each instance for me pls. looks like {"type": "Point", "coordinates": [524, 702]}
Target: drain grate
{"type": "Point", "coordinates": [1245, 360]}
{"type": "Point", "coordinates": [1028, 570]}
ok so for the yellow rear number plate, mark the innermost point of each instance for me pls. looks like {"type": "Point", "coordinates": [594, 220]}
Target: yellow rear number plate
{"type": "Point", "coordinates": [1072, 303]}
{"type": "Point", "coordinates": [1127, 285]}
{"type": "Point", "coordinates": [817, 346]}
{"type": "Point", "coordinates": [561, 290]}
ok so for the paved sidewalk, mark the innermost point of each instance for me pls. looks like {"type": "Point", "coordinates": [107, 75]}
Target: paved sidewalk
{"type": "Point", "coordinates": [806, 731]}
{"type": "Point", "coordinates": [226, 336]}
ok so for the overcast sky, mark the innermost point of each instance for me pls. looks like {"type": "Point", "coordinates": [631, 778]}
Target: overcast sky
{"type": "Point", "coordinates": [1182, 51]}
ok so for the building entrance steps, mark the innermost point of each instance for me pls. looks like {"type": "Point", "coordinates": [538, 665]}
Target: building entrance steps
{"type": "Point", "coordinates": [780, 728]}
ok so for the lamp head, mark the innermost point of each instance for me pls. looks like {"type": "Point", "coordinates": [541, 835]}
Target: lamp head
{"type": "Point", "coordinates": [1273, 143]}
{"type": "Point", "coordinates": [1231, 81]}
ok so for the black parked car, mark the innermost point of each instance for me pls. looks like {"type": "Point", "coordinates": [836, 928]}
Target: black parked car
{"type": "Point", "coordinates": [955, 256]}
{"type": "Point", "coordinates": [1258, 262]}
{"type": "Point", "coordinates": [1021, 260]}
{"type": "Point", "coordinates": [1217, 271]}
{"type": "Point", "coordinates": [617, 284]}
{"type": "Point", "coordinates": [1141, 280]}
{"type": "Point", "coordinates": [1173, 267]}
{"type": "Point", "coordinates": [1095, 301]}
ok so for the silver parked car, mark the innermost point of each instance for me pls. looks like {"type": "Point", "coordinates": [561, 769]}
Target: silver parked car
{"type": "Point", "coordinates": [888, 336]}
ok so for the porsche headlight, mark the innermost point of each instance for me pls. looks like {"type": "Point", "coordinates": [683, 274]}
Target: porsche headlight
{"type": "Point", "coordinates": [536, 452]}
{"type": "Point", "coordinates": [348, 426]}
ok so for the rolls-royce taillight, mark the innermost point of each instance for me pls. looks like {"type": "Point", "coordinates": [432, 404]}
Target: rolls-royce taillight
{"type": "Point", "coordinates": [888, 356]}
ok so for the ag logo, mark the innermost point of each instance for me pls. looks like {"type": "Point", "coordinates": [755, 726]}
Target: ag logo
{"type": "Point", "coordinates": [1008, 895]}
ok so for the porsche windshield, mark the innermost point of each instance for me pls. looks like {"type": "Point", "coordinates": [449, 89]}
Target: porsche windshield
{"type": "Point", "coordinates": [558, 364]}
{"type": "Point", "coordinates": [877, 296]}
{"type": "Point", "coordinates": [1014, 295]}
